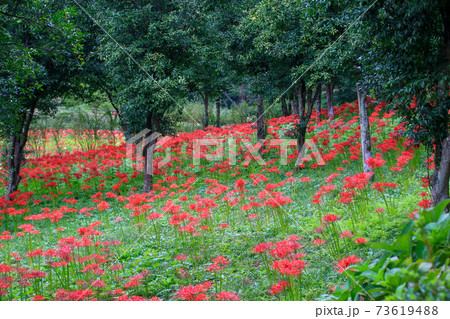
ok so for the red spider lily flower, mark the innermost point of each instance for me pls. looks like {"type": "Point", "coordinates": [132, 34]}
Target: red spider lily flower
{"type": "Point", "coordinates": [154, 216]}
{"type": "Point", "coordinates": [279, 287]}
{"type": "Point", "coordinates": [346, 197]}
{"type": "Point", "coordinates": [213, 267]}
{"type": "Point", "coordinates": [194, 293]}
{"type": "Point", "coordinates": [133, 282]}
{"type": "Point", "coordinates": [346, 234]}
{"type": "Point", "coordinates": [127, 298]}
{"type": "Point", "coordinates": [34, 253]}
{"type": "Point", "coordinates": [5, 269]}
{"type": "Point", "coordinates": [117, 292]}
{"type": "Point", "coordinates": [227, 295]}
{"type": "Point", "coordinates": [361, 241]}
{"type": "Point", "coordinates": [358, 181]}
{"type": "Point", "coordinates": [180, 257]}
{"type": "Point", "coordinates": [426, 203]}
{"type": "Point", "coordinates": [289, 267]}
{"type": "Point", "coordinates": [318, 242]}
{"type": "Point", "coordinates": [240, 184]}
{"type": "Point", "coordinates": [382, 186]}
{"type": "Point", "coordinates": [375, 162]}
{"type": "Point", "coordinates": [116, 267]}
{"type": "Point", "coordinates": [305, 179]}
{"type": "Point", "coordinates": [98, 283]}
{"type": "Point", "coordinates": [75, 295]}
{"type": "Point", "coordinates": [329, 179]}
{"type": "Point", "coordinates": [262, 247]}
{"type": "Point", "coordinates": [220, 260]}
{"type": "Point", "coordinates": [346, 262]}
{"type": "Point", "coordinates": [284, 248]}
{"type": "Point", "coordinates": [331, 218]}
{"type": "Point", "coordinates": [72, 201]}
{"type": "Point", "coordinates": [38, 298]}
{"type": "Point", "coordinates": [28, 228]}
{"type": "Point", "coordinates": [277, 201]}
{"type": "Point", "coordinates": [101, 206]}
{"type": "Point", "coordinates": [379, 210]}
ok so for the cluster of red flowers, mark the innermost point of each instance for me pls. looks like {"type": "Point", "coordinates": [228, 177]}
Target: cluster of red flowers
{"type": "Point", "coordinates": [217, 264]}
{"type": "Point", "coordinates": [279, 287]}
{"type": "Point", "coordinates": [343, 264]}
{"type": "Point", "coordinates": [194, 293]}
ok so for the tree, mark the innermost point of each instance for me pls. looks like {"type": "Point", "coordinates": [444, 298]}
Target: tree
{"type": "Point", "coordinates": [40, 51]}
{"type": "Point", "coordinates": [295, 34]}
{"type": "Point", "coordinates": [142, 52]}
{"type": "Point", "coordinates": [207, 68]}
{"type": "Point", "coordinates": [405, 61]}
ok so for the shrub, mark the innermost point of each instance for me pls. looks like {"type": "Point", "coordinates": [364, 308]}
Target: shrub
{"type": "Point", "coordinates": [415, 267]}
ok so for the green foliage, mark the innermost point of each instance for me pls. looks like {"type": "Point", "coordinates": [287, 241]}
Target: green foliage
{"type": "Point", "coordinates": [40, 49]}
{"type": "Point", "coordinates": [415, 266]}
{"type": "Point", "coordinates": [404, 57]}
{"type": "Point", "coordinates": [142, 63]}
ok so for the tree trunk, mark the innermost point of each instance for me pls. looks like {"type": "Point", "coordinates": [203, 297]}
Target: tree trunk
{"type": "Point", "coordinates": [365, 129]}
{"type": "Point", "coordinates": [329, 93]}
{"type": "Point", "coordinates": [290, 108]}
{"type": "Point", "coordinates": [150, 140]}
{"type": "Point", "coordinates": [440, 190]}
{"type": "Point", "coordinates": [260, 132]}
{"type": "Point", "coordinates": [16, 147]}
{"type": "Point", "coordinates": [301, 96]}
{"type": "Point", "coordinates": [284, 108]}
{"type": "Point", "coordinates": [218, 102]}
{"type": "Point", "coordinates": [318, 104]}
{"type": "Point", "coordinates": [308, 100]}
{"type": "Point", "coordinates": [206, 103]}
{"type": "Point", "coordinates": [122, 123]}
{"type": "Point", "coordinates": [293, 107]}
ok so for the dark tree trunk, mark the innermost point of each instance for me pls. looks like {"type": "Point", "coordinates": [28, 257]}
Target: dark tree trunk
{"type": "Point", "coordinates": [218, 102]}
{"type": "Point", "coordinates": [122, 123]}
{"type": "Point", "coordinates": [440, 190]}
{"type": "Point", "coordinates": [284, 108]}
{"type": "Point", "coordinates": [150, 140]}
{"type": "Point", "coordinates": [330, 95]}
{"type": "Point", "coordinates": [301, 97]}
{"type": "Point", "coordinates": [365, 129]}
{"type": "Point", "coordinates": [206, 103]}
{"type": "Point", "coordinates": [290, 108]}
{"type": "Point", "coordinates": [293, 107]}
{"type": "Point", "coordinates": [309, 100]}
{"type": "Point", "coordinates": [318, 104]}
{"type": "Point", "coordinates": [16, 147]}
{"type": "Point", "coordinates": [260, 132]}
